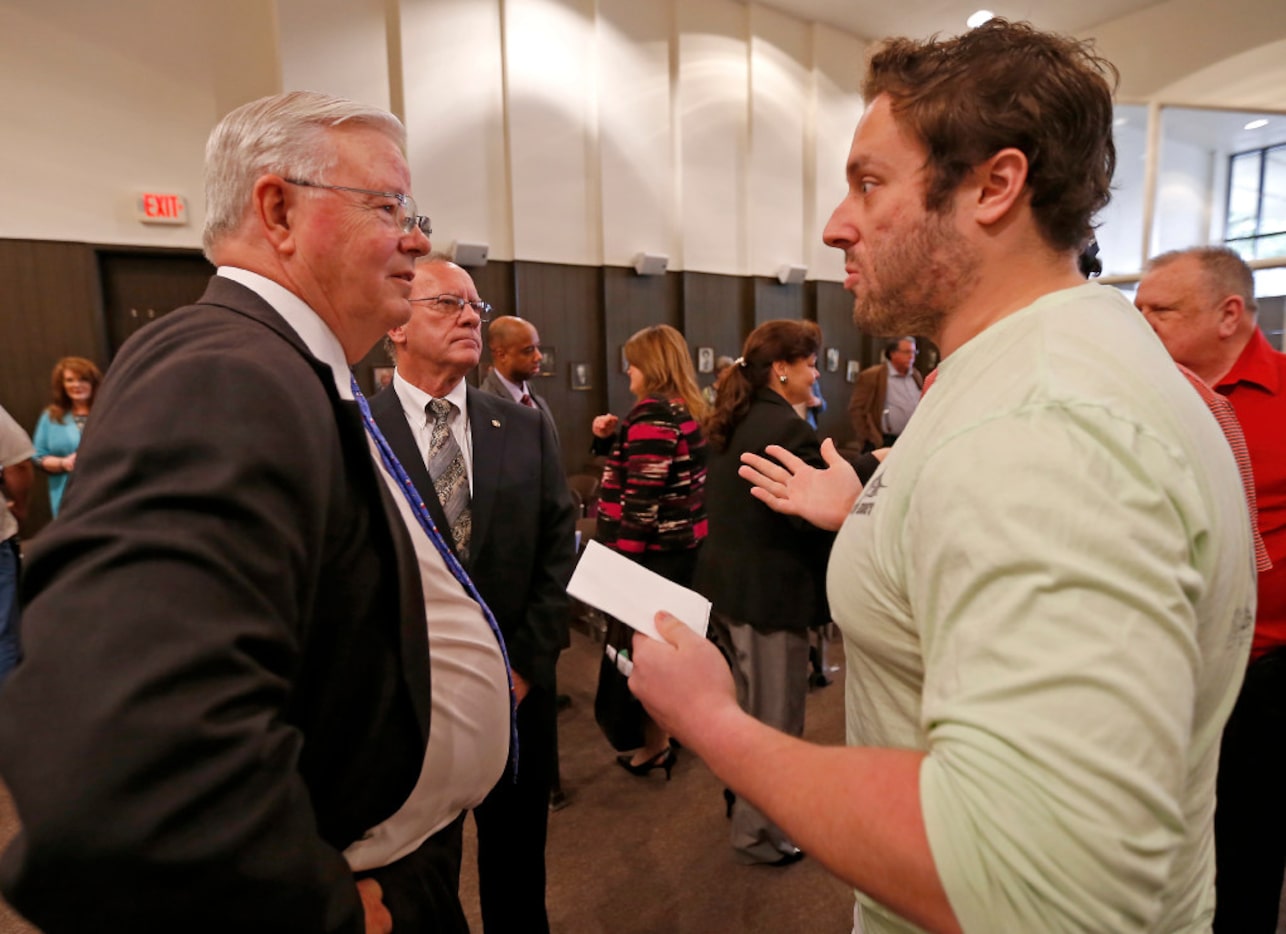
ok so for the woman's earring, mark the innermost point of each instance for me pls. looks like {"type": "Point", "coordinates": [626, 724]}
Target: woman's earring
{"type": "Point", "coordinates": [781, 379]}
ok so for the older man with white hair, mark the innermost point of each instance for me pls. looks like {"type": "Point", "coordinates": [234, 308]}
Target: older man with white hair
{"type": "Point", "coordinates": [249, 654]}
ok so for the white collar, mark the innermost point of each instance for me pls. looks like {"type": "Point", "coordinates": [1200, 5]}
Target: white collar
{"type": "Point", "coordinates": [515, 390]}
{"type": "Point", "coordinates": [415, 400]}
{"type": "Point", "coordinates": [312, 330]}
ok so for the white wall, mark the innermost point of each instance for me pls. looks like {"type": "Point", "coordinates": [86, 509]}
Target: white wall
{"type": "Point", "coordinates": [713, 114]}
{"type": "Point", "coordinates": [454, 111]}
{"type": "Point", "coordinates": [572, 131]}
{"type": "Point", "coordinates": [636, 149]}
{"type": "Point", "coordinates": [96, 109]}
{"type": "Point", "coordinates": [780, 101]}
{"type": "Point", "coordinates": [552, 107]}
{"type": "Point", "coordinates": [337, 47]}
{"type": "Point", "coordinates": [838, 62]}
{"type": "Point", "coordinates": [1120, 231]}
{"type": "Point", "coordinates": [1184, 193]}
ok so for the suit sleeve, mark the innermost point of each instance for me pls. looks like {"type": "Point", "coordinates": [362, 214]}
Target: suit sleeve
{"type": "Point", "coordinates": [800, 439]}
{"type": "Point", "coordinates": [533, 650]}
{"type": "Point", "coordinates": [859, 408]}
{"type": "Point", "coordinates": [145, 739]}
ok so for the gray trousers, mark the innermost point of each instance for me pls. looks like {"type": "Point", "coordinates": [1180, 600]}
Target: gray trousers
{"type": "Point", "coordinates": [771, 674]}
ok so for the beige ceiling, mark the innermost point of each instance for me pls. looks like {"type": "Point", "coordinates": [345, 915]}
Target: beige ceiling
{"type": "Point", "coordinates": [875, 19]}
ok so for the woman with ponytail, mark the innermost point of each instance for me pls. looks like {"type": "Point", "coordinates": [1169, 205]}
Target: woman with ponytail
{"type": "Point", "coordinates": [764, 572]}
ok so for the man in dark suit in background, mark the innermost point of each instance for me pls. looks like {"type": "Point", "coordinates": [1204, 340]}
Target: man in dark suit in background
{"type": "Point", "coordinates": [230, 682]}
{"type": "Point", "coordinates": [886, 395]}
{"type": "Point", "coordinates": [515, 356]}
{"type": "Point", "coordinates": [514, 502]}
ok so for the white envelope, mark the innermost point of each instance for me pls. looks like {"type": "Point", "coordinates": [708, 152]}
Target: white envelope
{"type": "Point", "coordinates": [616, 585]}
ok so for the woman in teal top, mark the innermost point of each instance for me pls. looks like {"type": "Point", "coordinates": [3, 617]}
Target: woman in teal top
{"type": "Point", "coordinates": [73, 384]}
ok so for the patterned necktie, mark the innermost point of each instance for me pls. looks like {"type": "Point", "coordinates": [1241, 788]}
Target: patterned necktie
{"type": "Point", "coordinates": [450, 479]}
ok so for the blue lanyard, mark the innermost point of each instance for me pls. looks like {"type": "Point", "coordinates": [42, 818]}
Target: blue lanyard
{"type": "Point", "coordinates": [421, 512]}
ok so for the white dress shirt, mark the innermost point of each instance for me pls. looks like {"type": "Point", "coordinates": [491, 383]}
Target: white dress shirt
{"type": "Point", "coordinates": [415, 403]}
{"type": "Point", "coordinates": [469, 733]}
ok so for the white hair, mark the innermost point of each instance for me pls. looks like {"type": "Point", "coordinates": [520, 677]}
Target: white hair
{"type": "Point", "coordinates": [284, 134]}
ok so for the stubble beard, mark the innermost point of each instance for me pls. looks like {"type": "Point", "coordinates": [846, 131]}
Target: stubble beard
{"type": "Point", "coordinates": [923, 276]}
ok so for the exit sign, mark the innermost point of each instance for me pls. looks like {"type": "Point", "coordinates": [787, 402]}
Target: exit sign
{"type": "Point", "coordinates": [159, 208]}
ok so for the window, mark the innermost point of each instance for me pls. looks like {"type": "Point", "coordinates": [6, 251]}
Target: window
{"type": "Point", "coordinates": [1256, 222]}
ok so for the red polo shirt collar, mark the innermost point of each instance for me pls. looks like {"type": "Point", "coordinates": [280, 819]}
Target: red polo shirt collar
{"type": "Point", "coordinates": [1256, 365]}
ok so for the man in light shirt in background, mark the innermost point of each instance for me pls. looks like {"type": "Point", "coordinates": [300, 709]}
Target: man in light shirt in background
{"type": "Point", "coordinates": [885, 396]}
{"type": "Point", "coordinates": [17, 471]}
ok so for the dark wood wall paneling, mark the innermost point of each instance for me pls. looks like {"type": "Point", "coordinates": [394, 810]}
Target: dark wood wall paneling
{"type": "Point", "coordinates": [833, 310]}
{"type": "Point", "coordinates": [73, 298]}
{"type": "Point", "coordinates": [630, 303]}
{"type": "Point", "coordinates": [139, 286]}
{"type": "Point", "coordinates": [774, 300]}
{"type": "Point", "coordinates": [51, 309]}
{"type": "Point", "coordinates": [718, 312]}
{"type": "Point", "coordinates": [565, 303]}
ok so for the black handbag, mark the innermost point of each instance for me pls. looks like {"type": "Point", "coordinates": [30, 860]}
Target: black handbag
{"type": "Point", "coordinates": [618, 712]}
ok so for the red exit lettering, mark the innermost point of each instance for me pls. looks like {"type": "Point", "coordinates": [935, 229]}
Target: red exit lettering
{"type": "Point", "coordinates": [156, 207]}
{"type": "Point", "coordinates": [161, 205]}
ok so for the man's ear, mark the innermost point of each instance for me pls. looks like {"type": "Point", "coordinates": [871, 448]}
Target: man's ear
{"type": "Point", "coordinates": [272, 210]}
{"type": "Point", "coordinates": [1231, 310]}
{"type": "Point", "coordinates": [1000, 183]}
{"type": "Point", "coordinates": [398, 335]}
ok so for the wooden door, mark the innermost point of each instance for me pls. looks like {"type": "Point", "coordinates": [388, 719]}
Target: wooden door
{"type": "Point", "coordinates": [141, 286]}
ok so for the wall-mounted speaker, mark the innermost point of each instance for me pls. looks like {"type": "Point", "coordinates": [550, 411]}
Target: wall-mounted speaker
{"type": "Point", "coordinates": [469, 254]}
{"type": "Point", "coordinates": [791, 275]}
{"type": "Point", "coordinates": [651, 264]}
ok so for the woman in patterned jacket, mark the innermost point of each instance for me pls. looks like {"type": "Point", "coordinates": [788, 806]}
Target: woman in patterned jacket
{"type": "Point", "coordinates": [652, 505]}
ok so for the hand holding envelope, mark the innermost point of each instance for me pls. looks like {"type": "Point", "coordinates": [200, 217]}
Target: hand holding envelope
{"type": "Point", "coordinates": [681, 681]}
{"type": "Point", "coordinates": [618, 586]}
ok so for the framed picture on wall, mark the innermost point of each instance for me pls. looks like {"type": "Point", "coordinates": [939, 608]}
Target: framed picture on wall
{"type": "Point", "coordinates": [854, 367]}
{"type": "Point", "coordinates": [381, 376]}
{"type": "Point", "coordinates": [547, 361]}
{"type": "Point", "coordinates": [705, 359]}
{"type": "Point", "coordinates": [581, 376]}
{"type": "Point", "coordinates": [832, 359]}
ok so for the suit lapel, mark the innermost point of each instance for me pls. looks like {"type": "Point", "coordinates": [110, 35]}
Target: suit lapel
{"type": "Point", "coordinates": [413, 637]}
{"type": "Point", "coordinates": [386, 407]}
{"type": "Point", "coordinates": [488, 423]}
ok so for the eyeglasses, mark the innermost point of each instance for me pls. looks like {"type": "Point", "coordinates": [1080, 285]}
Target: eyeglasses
{"type": "Point", "coordinates": [404, 214]}
{"type": "Point", "coordinates": [454, 305]}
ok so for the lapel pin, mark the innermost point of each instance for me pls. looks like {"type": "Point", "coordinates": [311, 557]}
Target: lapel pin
{"type": "Point", "coordinates": [495, 423]}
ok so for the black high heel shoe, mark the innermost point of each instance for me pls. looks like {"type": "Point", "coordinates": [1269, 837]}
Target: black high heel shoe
{"type": "Point", "coordinates": [664, 759]}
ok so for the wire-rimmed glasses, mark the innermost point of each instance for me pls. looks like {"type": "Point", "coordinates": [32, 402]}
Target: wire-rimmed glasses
{"type": "Point", "coordinates": [454, 305]}
{"type": "Point", "coordinates": [407, 216]}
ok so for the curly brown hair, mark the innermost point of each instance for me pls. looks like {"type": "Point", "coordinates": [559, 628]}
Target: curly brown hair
{"type": "Point", "coordinates": [83, 368]}
{"type": "Point", "coordinates": [1007, 85]}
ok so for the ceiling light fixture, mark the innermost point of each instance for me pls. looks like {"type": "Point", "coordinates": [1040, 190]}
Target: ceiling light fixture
{"type": "Point", "coordinates": [978, 18]}
{"type": "Point", "coordinates": [1255, 124]}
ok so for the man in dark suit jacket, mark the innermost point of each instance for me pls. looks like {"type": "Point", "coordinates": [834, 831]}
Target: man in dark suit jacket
{"type": "Point", "coordinates": [228, 676]}
{"type": "Point", "coordinates": [515, 359]}
{"type": "Point", "coordinates": [878, 419]}
{"type": "Point", "coordinates": [520, 555]}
